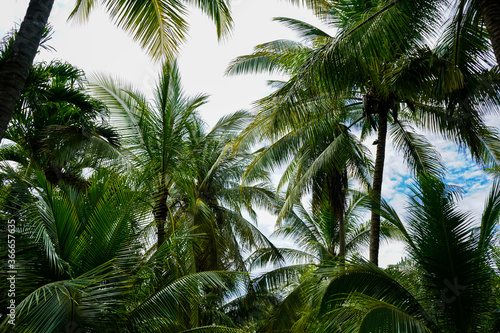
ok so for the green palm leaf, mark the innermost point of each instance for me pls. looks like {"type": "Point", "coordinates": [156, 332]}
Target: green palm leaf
{"type": "Point", "coordinates": [159, 26]}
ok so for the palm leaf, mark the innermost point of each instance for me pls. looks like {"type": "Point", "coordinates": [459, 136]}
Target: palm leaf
{"type": "Point", "coordinates": [158, 25]}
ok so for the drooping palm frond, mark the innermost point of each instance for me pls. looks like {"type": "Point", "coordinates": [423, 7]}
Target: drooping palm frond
{"type": "Point", "coordinates": [490, 218]}
{"type": "Point", "coordinates": [343, 150]}
{"type": "Point", "coordinates": [377, 316]}
{"type": "Point", "coordinates": [230, 124]}
{"type": "Point", "coordinates": [359, 236]}
{"type": "Point", "coordinates": [264, 257]}
{"type": "Point", "coordinates": [163, 309]}
{"type": "Point", "coordinates": [450, 263]}
{"type": "Point", "coordinates": [74, 243]}
{"type": "Point", "coordinates": [418, 153]}
{"type": "Point", "coordinates": [361, 291]}
{"type": "Point", "coordinates": [159, 26]}
{"type": "Point", "coordinates": [217, 198]}
{"type": "Point", "coordinates": [88, 301]}
{"type": "Point", "coordinates": [465, 40]}
{"type": "Point", "coordinates": [279, 56]}
{"type": "Point", "coordinates": [305, 30]}
{"type": "Point", "coordinates": [117, 95]}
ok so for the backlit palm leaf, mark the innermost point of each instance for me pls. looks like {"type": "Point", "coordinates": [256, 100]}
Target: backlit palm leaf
{"type": "Point", "coordinates": [159, 26]}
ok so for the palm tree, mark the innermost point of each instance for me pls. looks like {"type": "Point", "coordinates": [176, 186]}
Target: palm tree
{"type": "Point", "coordinates": [293, 292]}
{"type": "Point", "coordinates": [155, 133]}
{"type": "Point", "coordinates": [422, 16]}
{"type": "Point", "coordinates": [82, 262]}
{"type": "Point", "coordinates": [319, 233]}
{"type": "Point", "coordinates": [447, 282]}
{"type": "Point", "coordinates": [320, 159]}
{"type": "Point", "coordinates": [159, 26]}
{"type": "Point", "coordinates": [216, 198]}
{"type": "Point", "coordinates": [196, 175]}
{"type": "Point", "coordinates": [409, 84]}
{"type": "Point", "coordinates": [311, 139]}
{"type": "Point", "coordinates": [58, 126]}
{"type": "Point", "coordinates": [71, 251]}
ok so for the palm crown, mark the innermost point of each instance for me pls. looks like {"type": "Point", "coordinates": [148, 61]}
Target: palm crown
{"type": "Point", "coordinates": [360, 76]}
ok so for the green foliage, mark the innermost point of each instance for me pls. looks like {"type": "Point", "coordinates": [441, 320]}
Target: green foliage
{"type": "Point", "coordinates": [160, 26]}
{"type": "Point", "coordinates": [446, 287]}
{"type": "Point", "coordinates": [196, 174]}
{"type": "Point", "coordinates": [57, 122]}
{"type": "Point", "coordinates": [147, 226]}
{"type": "Point", "coordinates": [74, 247]}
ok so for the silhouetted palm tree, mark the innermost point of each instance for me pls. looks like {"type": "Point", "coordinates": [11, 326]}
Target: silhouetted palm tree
{"type": "Point", "coordinates": [159, 26]}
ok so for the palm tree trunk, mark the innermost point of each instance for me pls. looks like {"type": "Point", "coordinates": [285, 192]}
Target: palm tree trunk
{"type": "Point", "coordinates": [161, 212]}
{"type": "Point", "coordinates": [342, 238]}
{"type": "Point", "coordinates": [377, 186]}
{"type": "Point", "coordinates": [14, 72]}
{"type": "Point", "coordinates": [490, 11]}
{"type": "Point", "coordinates": [337, 186]}
{"type": "Point", "coordinates": [341, 214]}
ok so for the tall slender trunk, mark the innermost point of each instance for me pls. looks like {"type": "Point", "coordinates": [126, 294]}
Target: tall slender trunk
{"type": "Point", "coordinates": [490, 11]}
{"type": "Point", "coordinates": [377, 185]}
{"type": "Point", "coordinates": [161, 212]}
{"type": "Point", "coordinates": [342, 251]}
{"type": "Point", "coordinates": [343, 179]}
{"type": "Point", "coordinates": [337, 185]}
{"type": "Point", "coordinates": [15, 71]}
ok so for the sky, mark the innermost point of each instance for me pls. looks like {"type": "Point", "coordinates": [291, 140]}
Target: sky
{"type": "Point", "coordinates": [99, 47]}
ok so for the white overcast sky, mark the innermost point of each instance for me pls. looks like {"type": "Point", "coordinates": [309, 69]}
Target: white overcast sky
{"type": "Point", "coordinates": [100, 47]}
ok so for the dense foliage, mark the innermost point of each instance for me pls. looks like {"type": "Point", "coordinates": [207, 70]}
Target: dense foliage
{"type": "Point", "coordinates": [129, 214]}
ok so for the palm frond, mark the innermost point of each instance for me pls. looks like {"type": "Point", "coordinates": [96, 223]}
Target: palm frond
{"type": "Point", "coordinates": [159, 26]}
